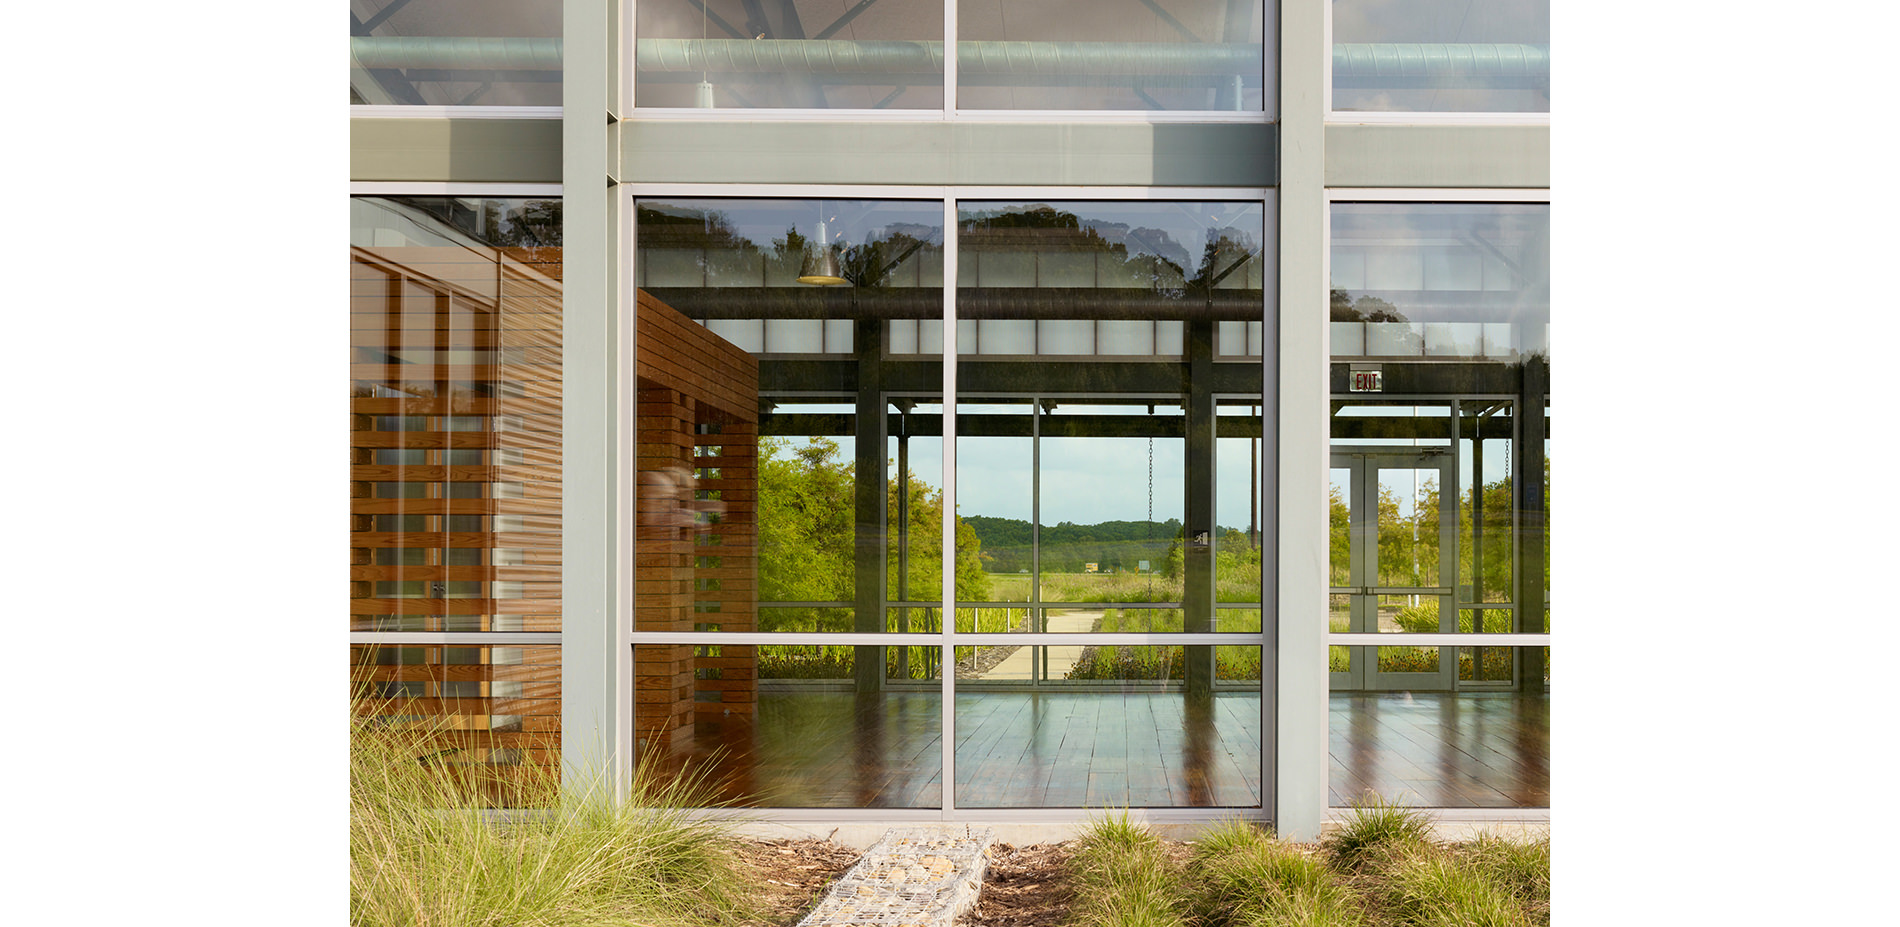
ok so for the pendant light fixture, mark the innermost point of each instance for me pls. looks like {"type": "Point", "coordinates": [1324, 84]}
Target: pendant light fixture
{"type": "Point", "coordinates": [820, 267]}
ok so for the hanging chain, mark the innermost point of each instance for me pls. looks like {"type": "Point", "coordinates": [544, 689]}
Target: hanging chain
{"type": "Point", "coordinates": [1151, 513]}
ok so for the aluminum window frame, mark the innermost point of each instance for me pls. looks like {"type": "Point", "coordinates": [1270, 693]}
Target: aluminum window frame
{"type": "Point", "coordinates": [628, 194]}
{"type": "Point", "coordinates": [1330, 196]}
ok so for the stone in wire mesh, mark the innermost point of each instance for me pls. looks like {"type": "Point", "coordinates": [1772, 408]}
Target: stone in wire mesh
{"type": "Point", "coordinates": [921, 876]}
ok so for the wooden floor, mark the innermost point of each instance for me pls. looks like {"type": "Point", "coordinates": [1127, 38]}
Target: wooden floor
{"type": "Point", "coordinates": [1019, 749]}
{"type": "Point", "coordinates": [1441, 750]}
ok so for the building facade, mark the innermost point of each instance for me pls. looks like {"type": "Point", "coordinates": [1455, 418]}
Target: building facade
{"type": "Point", "coordinates": [1144, 406]}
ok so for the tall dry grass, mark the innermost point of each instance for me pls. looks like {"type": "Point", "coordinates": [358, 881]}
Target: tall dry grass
{"type": "Point", "coordinates": [426, 850]}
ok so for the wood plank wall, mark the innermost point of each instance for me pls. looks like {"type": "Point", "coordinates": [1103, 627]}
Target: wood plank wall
{"type": "Point", "coordinates": [696, 561]}
{"type": "Point", "coordinates": [455, 492]}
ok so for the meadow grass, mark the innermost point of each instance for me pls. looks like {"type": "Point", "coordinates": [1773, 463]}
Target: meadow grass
{"type": "Point", "coordinates": [426, 850]}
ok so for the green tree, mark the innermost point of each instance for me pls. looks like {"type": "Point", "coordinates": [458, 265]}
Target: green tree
{"type": "Point", "coordinates": [806, 529]}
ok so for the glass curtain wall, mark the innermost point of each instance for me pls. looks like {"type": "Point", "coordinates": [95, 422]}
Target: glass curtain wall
{"type": "Point", "coordinates": [455, 469]}
{"type": "Point", "coordinates": [792, 488]}
{"type": "Point", "coordinates": [455, 52]}
{"type": "Point", "coordinates": [1439, 493]}
{"type": "Point", "coordinates": [1139, 55]}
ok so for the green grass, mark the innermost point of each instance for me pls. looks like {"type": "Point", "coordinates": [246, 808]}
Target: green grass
{"type": "Point", "coordinates": [1239, 876]}
{"type": "Point", "coordinates": [1163, 662]}
{"type": "Point", "coordinates": [1376, 824]}
{"type": "Point", "coordinates": [1123, 877]}
{"type": "Point", "coordinates": [1431, 886]}
{"type": "Point", "coordinates": [1380, 870]}
{"type": "Point", "coordinates": [424, 851]}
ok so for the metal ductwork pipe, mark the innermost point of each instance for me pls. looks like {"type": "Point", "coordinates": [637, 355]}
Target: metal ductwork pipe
{"type": "Point", "coordinates": [768, 56]}
{"type": "Point", "coordinates": [449, 53]}
{"type": "Point", "coordinates": [1383, 61]}
{"type": "Point", "coordinates": [1469, 61]}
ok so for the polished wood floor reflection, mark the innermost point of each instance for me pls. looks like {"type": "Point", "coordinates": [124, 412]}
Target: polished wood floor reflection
{"type": "Point", "coordinates": [1052, 749]}
{"type": "Point", "coordinates": [1440, 749]}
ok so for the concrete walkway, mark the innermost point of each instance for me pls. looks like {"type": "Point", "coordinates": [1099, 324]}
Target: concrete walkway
{"type": "Point", "coordinates": [1019, 665]}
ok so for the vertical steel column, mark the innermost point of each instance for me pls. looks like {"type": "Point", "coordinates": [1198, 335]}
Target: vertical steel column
{"type": "Point", "coordinates": [1299, 798]}
{"type": "Point", "coordinates": [1527, 482]}
{"type": "Point", "coordinates": [1197, 597]}
{"type": "Point", "coordinates": [597, 421]}
{"type": "Point", "coordinates": [871, 480]}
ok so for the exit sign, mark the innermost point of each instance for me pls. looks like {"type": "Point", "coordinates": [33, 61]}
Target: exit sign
{"type": "Point", "coordinates": [1366, 381]}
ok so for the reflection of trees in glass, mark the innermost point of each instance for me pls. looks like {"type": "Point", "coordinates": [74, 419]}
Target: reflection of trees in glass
{"type": "Point", "coordinates": [1363, 309]}
{"type": "Point", "coordinates": [805, 526]}
{"type": "Point", "coordinates": [728, 257]}
{"type": "Point", "coordinates": [807, 536]}
{"type": "Point", "coordinates": [1143, 253]}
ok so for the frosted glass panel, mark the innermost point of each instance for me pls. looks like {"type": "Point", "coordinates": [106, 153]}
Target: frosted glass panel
{"type": "Point", "coordinates": [1066, 337]}
{"type": "Point", "coordinates": [1451, 339]}
{"type": "Point", "coordinates": [1125, 337]}
{"type": "Point", "coordinates": [1006, 336]}
{"type": "Point", "coordinates": [1389, 339]}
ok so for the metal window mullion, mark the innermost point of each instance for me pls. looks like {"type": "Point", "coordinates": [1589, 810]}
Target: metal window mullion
{"type": "Point", "coordinates": [796, 638]}
{"type": "Point", "coordinates": [948, 516]}
{"type": "Point", "coordinates": [458, 638]}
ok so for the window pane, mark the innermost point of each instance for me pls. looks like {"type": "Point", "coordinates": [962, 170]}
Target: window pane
{"type": "Point", "coordinates": [1469, 281]}
{"type": "Point", "coordinates": [798, 54]}
{"type": "Point", "coordinates": [488, 707]}
{"type": "Point", "coordinates": [785, 727]}
{"type": "Point", "coordinates": [1481, 742]}
{"type": "Point", "coordinates": [1087, 447]}
{"type": "Point", "coordinates": [1109, 54]}
{"type": "Point", "coordinates": [443, 289]}
{"type": "Point", "coordinates": [1122, 729]}
{"type": "Point", "coordinates": [1441, 56]}
{"type": "Point", "coordinates": [791, 460]}
{"type": "Point", "coordinates": [455, 52]}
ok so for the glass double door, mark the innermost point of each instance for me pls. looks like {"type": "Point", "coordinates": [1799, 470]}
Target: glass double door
{"type": "Point", "coordinates": [1393, 564]}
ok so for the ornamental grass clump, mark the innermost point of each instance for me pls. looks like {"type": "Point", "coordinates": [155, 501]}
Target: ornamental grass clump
{"type": "Point", "coordinates": [1241, 877]}
{"type": "Point", "coordinates": [428, 850]}
{"type": "Point", "coordinates": [1523, 869]}
{"type": "Point", "coordinates": [1124, 878]}
{"type": "Point", "coordinates": [1375, 823]}
{"type": "Point", "coordinates": [1431, 886]}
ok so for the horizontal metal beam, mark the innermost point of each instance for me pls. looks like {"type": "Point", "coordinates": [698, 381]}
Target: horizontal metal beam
{"type": "Point", "coordinates": [1042, 376]}
{"type": "Point", "coordinates": [844, 302]}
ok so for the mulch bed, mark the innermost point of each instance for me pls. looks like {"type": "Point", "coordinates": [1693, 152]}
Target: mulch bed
{"type": "Point", "coordinates": [1025, 887]}
{"type": "Point", "coordinates": [792, 875]}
